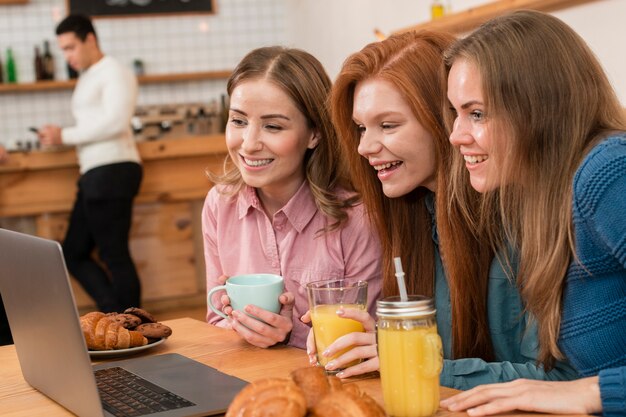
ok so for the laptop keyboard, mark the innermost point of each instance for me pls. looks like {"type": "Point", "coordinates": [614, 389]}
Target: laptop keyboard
{"type": "Point", "coordinates": [125, 394]}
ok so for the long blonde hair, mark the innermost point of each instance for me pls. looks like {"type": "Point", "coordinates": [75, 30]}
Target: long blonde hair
{"type": "Point", "coordinates": [412, 62]}
{"type": "Point", "coordinates": [302, 77]}
{"type": "Point", "coordinates": [547, 95]}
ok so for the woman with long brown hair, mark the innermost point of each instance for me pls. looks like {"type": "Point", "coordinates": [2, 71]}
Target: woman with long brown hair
{"type": "Point", "coordinates": [386, 106]}
{"type": "Point", "coordinates": [284, 204]}
{"type": "Point", "coordinates": [543, 137]}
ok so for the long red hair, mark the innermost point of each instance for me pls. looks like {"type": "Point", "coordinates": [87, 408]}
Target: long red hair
{"type": "Point", "coordinates": [413, 62]}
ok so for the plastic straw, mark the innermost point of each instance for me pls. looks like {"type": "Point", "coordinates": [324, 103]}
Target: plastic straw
{"type": "Point", "coordinates": [400, 277]}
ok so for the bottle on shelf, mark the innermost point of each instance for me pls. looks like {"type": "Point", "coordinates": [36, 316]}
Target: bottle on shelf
{"type": "Point", "coordinates": [48, 61]}
{"type": "Point", "coordinates": [11, 67]}
{"type": "Point", "coordinates": [224, 113]}
{"type": "Point", "coordinates": [138, 67]}
{"type": "Point", "coordinates": [190, 122]}
{"type": "Point", "coordinates": [202, 122]}
{"type": "Point", "coordinates": [39, 70]}
{"type": "Point", "coordinates": [437, 9]}
{"type": "Point", "coordinates": [1, 71]}
{"type": "Point", "coordinates": [214, 117]}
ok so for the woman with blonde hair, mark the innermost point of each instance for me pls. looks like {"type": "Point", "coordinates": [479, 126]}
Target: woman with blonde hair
{"type": "Point", "coordinates": [284, 205]}
{"type": "Point", "coordinates": [386, 106]}
{"type": "Point", "coordinates": [542, 135]}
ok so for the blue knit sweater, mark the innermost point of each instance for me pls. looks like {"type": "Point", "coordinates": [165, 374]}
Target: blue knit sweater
{"type": "Point", "coordinates": [593, 327]}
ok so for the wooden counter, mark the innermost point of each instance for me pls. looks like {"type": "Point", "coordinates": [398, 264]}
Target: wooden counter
{"type": "Point", "coordinates": [38, 189]}
{"type": "Point", "coordinates": [40, 182]}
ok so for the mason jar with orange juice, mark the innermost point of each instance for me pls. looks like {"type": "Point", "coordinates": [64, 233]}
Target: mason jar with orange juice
{"type": "Point", "coordinates": [410, 354]}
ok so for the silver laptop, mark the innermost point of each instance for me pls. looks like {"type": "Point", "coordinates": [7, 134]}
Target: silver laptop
{"type": "Point", "coordinates": [53, 354]}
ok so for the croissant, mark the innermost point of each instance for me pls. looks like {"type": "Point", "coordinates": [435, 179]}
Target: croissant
{"type": "Point", "coordinates": [103, 332]}
{"type": "Point", "coordinates": [348, 402]}
{"type": "Point", "coordinates": [306, 390]}
{"type": "Point", "coordinates": [270, 397]}
{"type": "Point", "coordinates": [314, 383]}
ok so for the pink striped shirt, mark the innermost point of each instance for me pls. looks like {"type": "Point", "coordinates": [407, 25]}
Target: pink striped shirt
{"type": "Point", "coordinates": [239, 238]}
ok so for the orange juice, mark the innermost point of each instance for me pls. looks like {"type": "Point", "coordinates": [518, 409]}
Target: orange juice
{"type": "Point", "coordinates": [328, 327]}
{"type": "Point", "coordinates": [410, 363]}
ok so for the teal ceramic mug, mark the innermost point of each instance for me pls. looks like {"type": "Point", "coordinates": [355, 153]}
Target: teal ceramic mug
{"type": "Point", "coordinates": [261, 290]}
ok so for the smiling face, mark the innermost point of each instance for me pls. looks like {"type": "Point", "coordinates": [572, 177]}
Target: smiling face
{"type": "Point", "coordinates": [267, 137]}
{"type": "Point", "coordinates": [472, 130]}
{"type": "Point", "coordinates": [396, 145]}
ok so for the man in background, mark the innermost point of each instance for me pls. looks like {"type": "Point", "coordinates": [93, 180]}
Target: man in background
{"type": "Point", "coordinates": [103, 103]}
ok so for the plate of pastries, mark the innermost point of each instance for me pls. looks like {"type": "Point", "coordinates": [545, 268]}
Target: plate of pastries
{"type": "Point", "coordinates": [307, 392]}
{"type": "Point", "coordinates": [120, 334]}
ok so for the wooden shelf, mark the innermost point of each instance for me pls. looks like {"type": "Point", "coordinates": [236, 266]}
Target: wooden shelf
{"type": "Point", "coordinates": [3, 2]}
{"type": "Point", "coordinates": [144, 79]}
{"type": "Point", "coordinates": [38, 86]}
{"type": "Point", "coordinates": [192, 76]}
{"type": "Point", "coordinates": [471, 18]}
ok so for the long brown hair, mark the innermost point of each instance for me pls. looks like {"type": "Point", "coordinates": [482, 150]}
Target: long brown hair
{"type": "Point", "coordinates": [547, 95]}
{"type": "Point", "coordinates": [303, 78]}
{"type": "Point", "coordinates": [413, 63]}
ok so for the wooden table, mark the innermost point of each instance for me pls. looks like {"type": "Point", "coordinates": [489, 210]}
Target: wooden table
{"type": "Point", "coordinates": [218, 348]}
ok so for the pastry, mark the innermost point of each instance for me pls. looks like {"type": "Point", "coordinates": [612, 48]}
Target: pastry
{"type": "Point", "coordinates": [104, 333]}
{"type": "Point", "coordinates": [88, 322]}
{"type": "Point", "coordinates": [141, 313]}
{"type": "Point", "coordinates": [128, 321]}
{"type": "Point", "coordinates": [269, 397]}
{"type": "Point", "coordinates": [154, 330]}
{"type": "Point", "coordinates": [314, 383]}
{"type": "Point", "coordinates": [349, 402]}
{"type": "Point", "coordinates": [307, 392]}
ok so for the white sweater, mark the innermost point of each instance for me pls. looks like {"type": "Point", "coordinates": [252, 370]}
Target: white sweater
{"type": "Point", "coordinates": [103, 104]}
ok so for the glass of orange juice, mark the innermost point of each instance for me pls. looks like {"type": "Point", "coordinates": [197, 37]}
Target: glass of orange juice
{"type": "Point", "coordinates": [410, 354]}
{"type": "Point", "coordinates": [325, 298]}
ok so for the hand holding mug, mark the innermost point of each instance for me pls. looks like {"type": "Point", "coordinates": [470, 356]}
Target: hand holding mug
{"type": "Point", "coordinates": [224, 300]}
{"type": "Point", "coordinates": [263, 328]}
{"type": "Point", "coordinates": [253, 302]}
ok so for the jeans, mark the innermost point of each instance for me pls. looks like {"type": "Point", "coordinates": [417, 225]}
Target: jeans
{"type": "Point", "coordinates": [101, 220]}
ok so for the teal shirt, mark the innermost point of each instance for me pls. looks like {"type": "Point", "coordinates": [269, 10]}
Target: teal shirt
{"type": "Point", "coordinates": [514, 339]}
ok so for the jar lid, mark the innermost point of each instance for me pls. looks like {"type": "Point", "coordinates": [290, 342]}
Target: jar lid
{"type": "Point", "coordinates": [415, 306]}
